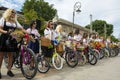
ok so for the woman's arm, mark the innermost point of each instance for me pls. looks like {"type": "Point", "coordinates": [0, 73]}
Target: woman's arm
{"type": "Point", "coordinates": [2, 20]}
{"type": "Point", "coordinates": [24, 31]}
{"type": "Point", "coordinates": [2, 31]}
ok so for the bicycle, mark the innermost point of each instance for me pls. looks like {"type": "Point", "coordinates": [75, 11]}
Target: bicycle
{"type": "Point", "coordinates": [71, 57]}
{"type": "Point", "coordinates": [92, 59]}
{"type": "Point", "coordinates": [81, 55]}
{"type": "Point", "coordinates": [43, 64]}
{"type": "Point", "coordinates": [51, 54]}
{"type": "Point", "coordinates": [26, 59]}
{"type": "Point", "coordinates": [57, 60]}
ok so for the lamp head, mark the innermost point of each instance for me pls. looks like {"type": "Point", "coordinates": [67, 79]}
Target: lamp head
{"type": "Point", "coordinates": [78, 10]}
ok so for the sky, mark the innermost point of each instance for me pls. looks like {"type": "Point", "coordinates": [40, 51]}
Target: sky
{"type": "Point", "coordinates": [108, 10]}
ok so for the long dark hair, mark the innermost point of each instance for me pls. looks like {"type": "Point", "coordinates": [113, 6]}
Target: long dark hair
{"type": "Point", "coordinates": [48, 24]}
{"type": "Point", "coordinates": [77, 31]}
{"type": "Point", "coordinates": [32, 22]}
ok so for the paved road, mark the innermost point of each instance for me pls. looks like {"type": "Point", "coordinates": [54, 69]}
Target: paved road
{"type": "Point", "coordinates": [106, 69]}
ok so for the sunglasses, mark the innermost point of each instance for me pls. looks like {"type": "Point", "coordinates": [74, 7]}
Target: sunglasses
{"type": "Point", "coordinates": [13, 12]}
{"type": "Point", "coordinates": [34, 23]}
{"type": "Point", "coordinates": [51, 24]}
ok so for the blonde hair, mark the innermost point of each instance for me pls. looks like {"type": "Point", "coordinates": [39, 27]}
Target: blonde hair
{"type": "Point", "coordinates": [59, 28]}
{"type": "Point", "coordinates": [7, 14]}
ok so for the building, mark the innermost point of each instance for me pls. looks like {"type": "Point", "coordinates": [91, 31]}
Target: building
{"type": "Point", "coordinates": [68, 26]}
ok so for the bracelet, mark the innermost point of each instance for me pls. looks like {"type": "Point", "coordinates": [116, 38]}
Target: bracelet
{"type": "Point", "coordinates": [6, 32]}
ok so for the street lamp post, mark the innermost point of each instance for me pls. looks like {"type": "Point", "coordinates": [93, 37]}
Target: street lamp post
{"type": "Point", "coordinates": [90, 23]}
{"type": "Point", "coordinates": [77, 7]}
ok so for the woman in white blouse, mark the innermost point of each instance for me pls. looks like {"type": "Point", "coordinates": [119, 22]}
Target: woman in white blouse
{"type": "Point", "coordinates": [33, 31]}
{"type": "Point", "coordinates": [49, 33]}
{"type": "Point", "coordinates": [8, 23]}
{"type": "Point", "coordinates": [77, 35]}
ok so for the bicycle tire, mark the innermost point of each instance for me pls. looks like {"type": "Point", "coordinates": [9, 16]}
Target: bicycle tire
{"type": "Point", "coordinates": [92, 61]}
{"type": "Point", "coordinates": [97, 53]}
{"type": "Point", "coordinates": [17, 60]}
{"type": "Point", "coordinates": [68, 58]}
{"type": "Point", "coordinates": [106, 53]}
{"type": "Point", "coordinates": [25, 73]}
{"type": "Point", "coordinates": [116, 49]}
{"type": "Point", "coordinates": [112, 53]}
{"type": "Point", "coordinates": [5, 61]}
{"type": "Point", "coordinates": [45, 65]}
{"type": "Point", "coordinates": [57, 56]}
{"type": "Point", "coordinates": [82, 59]}
{"type": "Point", "coordinates": [101, 54]}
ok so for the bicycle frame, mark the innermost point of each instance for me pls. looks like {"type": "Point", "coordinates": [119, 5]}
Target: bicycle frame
{"type": "Point", "coordinates": [27, 59]}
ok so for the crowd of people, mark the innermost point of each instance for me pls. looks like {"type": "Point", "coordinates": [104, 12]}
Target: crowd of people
{"type": "Point", "coordinates": [8, 24]}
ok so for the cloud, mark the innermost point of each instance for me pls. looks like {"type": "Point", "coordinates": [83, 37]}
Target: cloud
{"type": "Point", "coordinates": [108, 10]}
{"type": "Point", "coordinates": [15, 4]}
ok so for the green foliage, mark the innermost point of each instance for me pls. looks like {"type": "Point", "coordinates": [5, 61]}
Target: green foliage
{"type": "Point", "coordinates": [38, 9]}
{"type": "Point", "coordinates": [20, 19]}
{"type": "Point", "coordinates": [43, 9]}
{"type": "Point", "coordinates": [99, 26]}
{"type": "Point", "coordinates": [30, 15]}
{"type": "Point", "coordinates": [114, 39]}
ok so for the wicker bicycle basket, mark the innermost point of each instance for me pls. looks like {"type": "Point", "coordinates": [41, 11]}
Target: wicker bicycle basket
{"type": "Point", "coordinates": [59, 48]}
{"type": "Point", "coordinates": [45, 42]}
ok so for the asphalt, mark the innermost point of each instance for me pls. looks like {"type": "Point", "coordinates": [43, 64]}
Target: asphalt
{"type": "Point", "coordinates": [105, 69]}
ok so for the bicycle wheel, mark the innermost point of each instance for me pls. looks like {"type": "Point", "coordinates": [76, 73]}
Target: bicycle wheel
{"type": "Point", "coordinates": [112, 53]}
{"type": "Point", "coordinates": [82, 59]}
{"type": "Point", "coordinates": [43, 64]}
{"type": "Point", "coordinates": [96, 53]}
{"type": "Point", "coordinates": [106, 53]}
{"type": "Point", "coordinates": [17, 60]}
{"type": "Point", "coordinates": [116, 49]}
{"type": "Point", "coordinates": [28, 63]}
{"type": "Point", "coordinates": [57, 61]}
{"type": "Point", "coordinates": [71, 58]}
{"type": "Point", "coordinates": [92, 59]}
{"type": "Point", "coordinates": [101, 53]}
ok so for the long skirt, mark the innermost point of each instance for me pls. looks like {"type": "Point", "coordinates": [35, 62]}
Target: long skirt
{"type": "Point", "coordinates": [34, 46]}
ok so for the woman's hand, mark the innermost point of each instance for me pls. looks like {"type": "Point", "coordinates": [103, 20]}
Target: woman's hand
{"type": "Point", "coordinates": [3, 31]}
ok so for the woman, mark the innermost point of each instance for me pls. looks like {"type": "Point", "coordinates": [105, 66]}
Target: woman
{"type": "Point", "coordinates": [77, 35]}
{"type": "Point", "coordinates": [33, 31]}
{"type": "Point", "coordinates": [8, 23]}
{"type": "Point", "coordinates": [49, 33]}
{"type": "Point", "coordinates": [59, 38]}
{"type": "Point", "coordinates": [70, 35]}
{"type": "Point", "coordinates": [59, 33]}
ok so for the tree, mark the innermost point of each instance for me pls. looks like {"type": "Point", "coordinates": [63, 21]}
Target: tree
{"type": "Point", "coordinates": [99, 26]}
{"type": "Point", "coordinates": [114, 39]}
{"type": "Point", "coordinates": [43, 9]}
{"type": "Point", "coordinates": [38, 9]}
{"type": "Point", "coordinates": [30, 15]}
